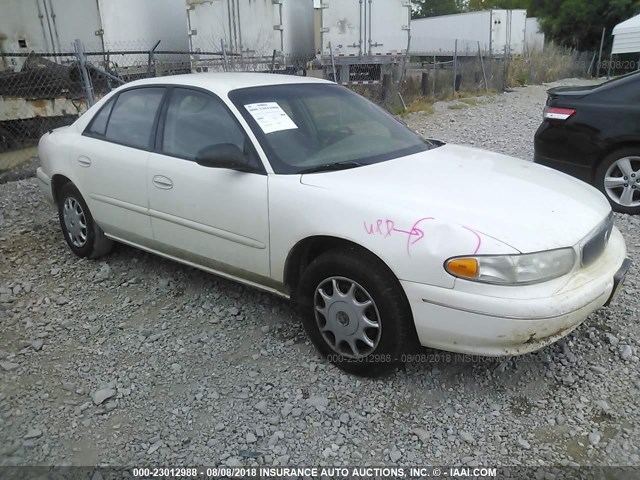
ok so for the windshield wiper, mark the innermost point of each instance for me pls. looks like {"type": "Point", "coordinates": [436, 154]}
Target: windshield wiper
{"type": "Point", "coordinates": [331, 167]}
{"type": "Point", "coordinates": [433, 143]}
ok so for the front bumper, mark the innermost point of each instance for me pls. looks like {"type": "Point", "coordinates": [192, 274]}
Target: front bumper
{"type": "Point", "coordinates": [44, 182]}
{"type": "Point", "coordinates": [493, 325]}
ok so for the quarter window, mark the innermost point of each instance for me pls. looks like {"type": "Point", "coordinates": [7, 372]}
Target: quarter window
{"type": "Point", "coordinates": [133, 117]}
{"type": "Point", "coordinates": [99, 123]}
{"type": "Point", "coordinates": [196, 121]}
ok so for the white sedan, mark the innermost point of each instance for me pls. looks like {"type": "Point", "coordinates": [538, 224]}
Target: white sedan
{"type": "Point", "coordinates": [300, 187]}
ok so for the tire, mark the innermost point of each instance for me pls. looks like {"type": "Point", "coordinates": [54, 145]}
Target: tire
{"type": "Point", "coordinates": [614, 167]}
{"type": "Point", "coordinates": [85, 238]}
{"type": "Point", "coordinates": [389, 309]}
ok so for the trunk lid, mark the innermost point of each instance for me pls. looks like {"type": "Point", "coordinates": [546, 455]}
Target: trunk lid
{"type": "Point", "coordinates": [568, 94]}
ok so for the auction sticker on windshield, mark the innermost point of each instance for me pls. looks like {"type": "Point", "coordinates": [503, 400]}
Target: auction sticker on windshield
{"type": "Point", "coordinates": [271, 117]}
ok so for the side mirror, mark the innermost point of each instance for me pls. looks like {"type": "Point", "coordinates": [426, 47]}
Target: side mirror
{"type": "Point", "coordinates": [223, 155]}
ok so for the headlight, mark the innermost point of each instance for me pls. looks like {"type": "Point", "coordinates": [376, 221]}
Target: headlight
{"type": "Point", "coordinates": [513, 269]}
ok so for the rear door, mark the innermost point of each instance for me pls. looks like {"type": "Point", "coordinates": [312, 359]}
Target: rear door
{"type": "Point", "coordinates": [209, 26]}
{"type": "Point", "coordinates": [387, 26]}
{"type": "Point", "coordinates": [343, 25]}
{"type": "Point", "coordinates": [111, 162]}
{"type": "Point", "coordinates": [214, 217]}
{"type": "Point", "coordinates": [63, 21]}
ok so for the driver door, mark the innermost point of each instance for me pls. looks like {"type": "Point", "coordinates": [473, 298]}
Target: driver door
{"type": "Point", "coordinates": [213, 217]}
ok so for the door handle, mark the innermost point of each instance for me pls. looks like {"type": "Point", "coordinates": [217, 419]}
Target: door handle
{"type": "Point", "coordinates": [84, 161]}
{"type": "Point", "coordinates": [163, 182]}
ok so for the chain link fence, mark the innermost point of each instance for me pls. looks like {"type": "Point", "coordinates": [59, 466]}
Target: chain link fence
{"type": "Point", "coordinates": [42, 91]}
{"type": "Point", "coordinates": [37, 93]}
{"type": "Point", "coordinates": [460, 72]}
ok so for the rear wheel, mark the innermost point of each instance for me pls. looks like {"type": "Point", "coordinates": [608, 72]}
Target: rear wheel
{"type": "Point", "coordinates": [83, 235]}
{"type": "Point", "coordinates": [618, 177]}
{"type": "Point", "coordinates": [355, 312]}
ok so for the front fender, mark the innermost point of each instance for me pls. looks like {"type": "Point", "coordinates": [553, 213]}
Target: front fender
{"type": "Point", "coordinates": [413, 245]}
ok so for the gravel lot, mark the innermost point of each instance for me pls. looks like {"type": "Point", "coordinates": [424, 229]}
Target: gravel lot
{"type": "Point", "coordinates": [137, 360]}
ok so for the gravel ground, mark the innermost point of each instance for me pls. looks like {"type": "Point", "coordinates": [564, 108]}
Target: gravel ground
{"type": "Point", "coordinates": [137, 360]}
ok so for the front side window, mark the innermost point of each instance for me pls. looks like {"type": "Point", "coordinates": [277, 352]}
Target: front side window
{"type": "Point", "coordinates": [196, 121]}
{"type": "Point", "coordinates": [306, 126]}
{"type": "Point", "coordinates": [133, 117]}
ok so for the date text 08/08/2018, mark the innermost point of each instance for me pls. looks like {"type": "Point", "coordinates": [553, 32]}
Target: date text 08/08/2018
{"type": "Point", "coordinates": [278, 472]}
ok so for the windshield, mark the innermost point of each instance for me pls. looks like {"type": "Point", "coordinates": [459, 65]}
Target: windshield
{"type": "Point", "coordinates": [305, 126]}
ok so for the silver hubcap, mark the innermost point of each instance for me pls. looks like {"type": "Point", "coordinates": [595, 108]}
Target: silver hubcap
{"type": "Point", "coordinates": [347, 317]}
{"type": "Point", "coordinates": [622, 182]}
{"type": "Point", "coordinates": [75, 222]}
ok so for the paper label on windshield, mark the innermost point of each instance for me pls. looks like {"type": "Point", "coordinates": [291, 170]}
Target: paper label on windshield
{"type": "Point", "coordinates": [271, 117]}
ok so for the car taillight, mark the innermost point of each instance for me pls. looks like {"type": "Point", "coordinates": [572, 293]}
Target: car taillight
{"type": "Point", "coordinates": [555, 113]}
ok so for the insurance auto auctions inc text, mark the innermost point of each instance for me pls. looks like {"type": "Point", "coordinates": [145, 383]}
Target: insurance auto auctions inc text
{"type": "Point", "coordinates": [377, 472]}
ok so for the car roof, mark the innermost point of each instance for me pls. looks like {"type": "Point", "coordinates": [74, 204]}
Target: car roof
{"type": "Point", "coordinates": [223, 83]}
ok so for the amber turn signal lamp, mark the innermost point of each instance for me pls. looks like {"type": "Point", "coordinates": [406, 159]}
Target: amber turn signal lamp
{"type": "Point", "coordinates": [463, 267]}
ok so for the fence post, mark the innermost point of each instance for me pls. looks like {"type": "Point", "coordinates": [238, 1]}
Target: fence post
{"type": "Point", "coordinates": [273, 61]}
{"type": "Point", "coordinates": [600, 54]}
{"type": "Point", "coordinates": [610, 63]}
{"type": "Point", "coordinates": [151, 60]}
{"type": "Point", "coordinates": [484, 72]}
{"type": "Point", "coordinates": [225, 63]}
{"type": "Point", "coordinates": [407, 60]}
{"type": "Point", "coordinates": [589, 70]}
{"type": "Point", "coordinates": [386, 86]}
{"type": "Point", "coordinates": [455, 68]}
{"type": "Point", "coordinates": [333, 63]}
{"type": "Point", "coordinates": [505, 70]}
{"type": "Point", "coordinates": [86, 79]}
{"type": "Point", "coordinates": [424, 84]}
{"type": "Point", "coordinates": [434, 76]}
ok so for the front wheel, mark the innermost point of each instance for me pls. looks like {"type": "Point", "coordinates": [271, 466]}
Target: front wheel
{"type": "Point", "coordinates": [355, 312]}
{"type": "Point", "coordinates": [618, 177]}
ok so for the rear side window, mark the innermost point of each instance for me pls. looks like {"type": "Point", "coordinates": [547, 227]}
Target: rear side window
{"type": "Point", "coordinates": [98, 125]}
{"type": "Point", "coordinates": [133, 116]}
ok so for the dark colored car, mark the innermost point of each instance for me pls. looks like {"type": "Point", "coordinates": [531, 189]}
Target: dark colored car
{"type": "Point", "coordinates": [593, 133]}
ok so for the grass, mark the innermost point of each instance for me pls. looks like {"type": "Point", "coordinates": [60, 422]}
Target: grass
{"type": "Point", "coordinates": [418, 104]}
{"type": "Point", "coordinates": [424, 106]}
{"type": "Point", "coordinates": [471, 101]}
{"type": "Point", "coordinates": [547, 65]}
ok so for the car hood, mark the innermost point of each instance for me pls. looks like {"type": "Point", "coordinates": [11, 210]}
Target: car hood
{"type": "Point", "coordinates": [527, 206]}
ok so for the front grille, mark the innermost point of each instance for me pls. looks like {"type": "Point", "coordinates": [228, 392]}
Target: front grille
{"type": "Point", "coordinates": [596, 242]}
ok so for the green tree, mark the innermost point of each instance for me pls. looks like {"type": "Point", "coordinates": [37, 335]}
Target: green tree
{"type": "Point", "coordinates": [579, 23]}
{"type": "Point", "coordinates": [433, 8]}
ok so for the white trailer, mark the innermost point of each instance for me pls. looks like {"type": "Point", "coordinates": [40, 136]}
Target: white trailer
{"type": "Point", "coordinates": [498, 32]}
{"type": "Point", "coordinates": [364, 27]}
{"type": "Point", "coordinates": [252, 29]}
{"type": "Point", "coordinates": [358, 40]}
{"type": "Point", "coordinates": [534, 37]}
{"type": "Point", "coordinates": [626, 36]}
{"type": "Point", "coordinates": [52, 25]}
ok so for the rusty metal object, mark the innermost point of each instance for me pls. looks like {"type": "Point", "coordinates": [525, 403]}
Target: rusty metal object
{"type": "Point", "coordinates": [13, 108]}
